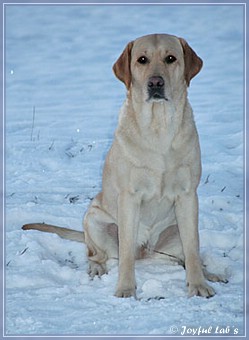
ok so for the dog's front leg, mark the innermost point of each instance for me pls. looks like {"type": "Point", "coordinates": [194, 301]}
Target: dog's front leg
{"type": "Point", "coordinates": [187, 218]}
{"type": "Point", "coordinates": [128, 220]}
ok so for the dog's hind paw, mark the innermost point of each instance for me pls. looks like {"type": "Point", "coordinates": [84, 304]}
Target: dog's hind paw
{"type": "Point", "coordinates": [214, 277]}
{"type": "Point", "coordinates": [96, 269]}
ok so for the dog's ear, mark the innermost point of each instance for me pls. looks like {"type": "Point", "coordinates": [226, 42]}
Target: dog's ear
{"type": "Point", "coordinates": [193, 63]}
{"type": "Point", "coordinates": [122, 68]}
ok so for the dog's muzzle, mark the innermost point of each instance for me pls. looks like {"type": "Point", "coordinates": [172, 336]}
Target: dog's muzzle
{"type": "Point", "coordinates": [156, 88]}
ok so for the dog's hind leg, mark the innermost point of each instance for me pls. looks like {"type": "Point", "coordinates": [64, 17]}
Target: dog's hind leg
{"type": "Point", "coordinates": [169, 245]}
{"type": "Point", "coordinates": [101, 238]}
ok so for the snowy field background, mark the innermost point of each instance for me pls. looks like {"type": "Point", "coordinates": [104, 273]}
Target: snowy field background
{"type": "Point", "coordinates": [62, 103]}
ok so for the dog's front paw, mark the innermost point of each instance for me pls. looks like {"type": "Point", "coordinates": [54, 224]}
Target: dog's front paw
{"type": "Point", "coordinates": [125, 292]}
{"type": "Point", "coordinates": [200, 289]}
{"type": "Point", "coordinates": [96, 269]}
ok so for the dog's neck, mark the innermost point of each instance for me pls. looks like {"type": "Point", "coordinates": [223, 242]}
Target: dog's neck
{"type": "Point", "coordinates": [162, 127]}
{"type": "Point", "coordinates": [158, 118]}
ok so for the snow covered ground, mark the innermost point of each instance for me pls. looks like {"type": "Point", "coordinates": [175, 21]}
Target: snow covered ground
{"type": "Point", "coordinates": [62, 103]}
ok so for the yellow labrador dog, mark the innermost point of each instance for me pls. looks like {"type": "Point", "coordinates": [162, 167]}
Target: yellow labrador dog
{"type": "Point", "coordinates": [148, 205]}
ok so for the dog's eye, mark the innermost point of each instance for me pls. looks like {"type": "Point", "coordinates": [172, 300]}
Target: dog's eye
{"type": "Point", "coordinates": [143, 60]}
{"type": "Point", "coordinates": [170, 59]}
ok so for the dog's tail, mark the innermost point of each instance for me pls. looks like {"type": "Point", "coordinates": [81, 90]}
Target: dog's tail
{"type": "Point", "coordinates": [66, 233]}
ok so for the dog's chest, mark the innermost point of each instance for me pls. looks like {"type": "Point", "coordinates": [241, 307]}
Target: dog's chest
{"type": "Point", "coordinates": [164, 177]}
{"type": "Point", "coordinates": [157, 212]}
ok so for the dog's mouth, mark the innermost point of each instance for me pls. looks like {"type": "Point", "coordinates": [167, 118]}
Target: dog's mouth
{"type": "Point", "coordinates": [156, 95]}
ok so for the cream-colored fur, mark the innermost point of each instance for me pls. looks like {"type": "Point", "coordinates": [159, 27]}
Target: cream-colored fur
{"type": "Point", "coordinates": [149, 205]}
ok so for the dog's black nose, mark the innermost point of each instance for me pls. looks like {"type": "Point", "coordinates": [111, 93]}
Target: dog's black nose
{"type": "Point", "coordinates": [155, 82]}
{"type": "Point", "coordinates": [156, 88]}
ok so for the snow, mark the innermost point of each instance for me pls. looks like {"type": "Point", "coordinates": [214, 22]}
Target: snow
{"type": "Point", "coordinates": [62, 103]}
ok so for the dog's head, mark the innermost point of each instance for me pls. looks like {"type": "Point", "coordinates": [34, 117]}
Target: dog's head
{"type": "Point", "coordinates": [157, 65]}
